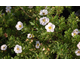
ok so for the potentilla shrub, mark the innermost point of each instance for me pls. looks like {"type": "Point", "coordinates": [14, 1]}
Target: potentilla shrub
{"type": "Point", "coordinates": [39, 32]}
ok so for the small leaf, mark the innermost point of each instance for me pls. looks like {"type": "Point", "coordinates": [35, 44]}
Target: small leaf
{"type": "Point", "coordinates": [0, 31]}
{"type": "Point", "coordinates": [32, 23]}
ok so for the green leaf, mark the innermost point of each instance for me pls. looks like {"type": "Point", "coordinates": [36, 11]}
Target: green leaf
{"type": "Point", "coordinates": [32, 23]}
{"type": "Point", "coordinates": [0, 31]}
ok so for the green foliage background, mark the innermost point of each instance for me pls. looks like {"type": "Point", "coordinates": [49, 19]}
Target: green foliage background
{"type": "Point", "coordinates": [57, 45]}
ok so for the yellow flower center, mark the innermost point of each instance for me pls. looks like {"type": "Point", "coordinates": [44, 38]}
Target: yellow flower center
{"type": "Point", "coordinates": [78, 52]}
{"type": "Point", "coordinates": [38, 44]}
{"type": "Point", "coordinates": [3, 47]}
{"type": "Point", "coordinates": [49, 27]}
{"type": "Point", "coordinates": [8, 7]}
{"type": "Point", "coordinates": [43, 13]}
{"type": "Point", "coordinates": [74, 33]}
{"type": "Point", "coordinates": [20, 26]}
{"type": "Point", "coordinates": [8, 10]}
{"type": "Point", "coordinates": [17, 48]}
{"type": "Point", "coordinates": [43, 20]}
{"type": "Point", "coordinates": [29, 35]}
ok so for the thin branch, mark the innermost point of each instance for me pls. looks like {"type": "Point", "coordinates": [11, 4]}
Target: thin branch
{"type": "Point", "coordinates": [25, 12]}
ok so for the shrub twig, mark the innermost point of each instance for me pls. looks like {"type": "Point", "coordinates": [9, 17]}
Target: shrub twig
{"type": "Point", "coordinates": [25, 12]}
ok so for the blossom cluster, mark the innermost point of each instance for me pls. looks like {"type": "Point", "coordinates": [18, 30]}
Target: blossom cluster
{"type": "Point", "coordinates": [48, 26]}
{"type": "Point", "coordinates": [77, 52]}
{"type": "Point", "coordinates": [44, 20]}
{"type": "Point", "coordinates": [8, 9]}
{"type": "Point", "coordinates": [37, 42]}
{"type": "Point", "coordinates": [74, 33]}
{"type": "Point", "coordinates": [17, 48]}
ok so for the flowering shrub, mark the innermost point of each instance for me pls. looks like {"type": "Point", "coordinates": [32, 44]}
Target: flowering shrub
{"type": "Point", "coordinates": [39, 32]}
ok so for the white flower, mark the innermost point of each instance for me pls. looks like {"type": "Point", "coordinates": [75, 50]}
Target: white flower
{"type": "Point", "coordinates": [8, 10]}
{"type": "Point", "coordinates": [50, 27]}
{"type": "Point", "coordinates": [77, 52]}
{"type": "Point", "coordinates": [37, 44]}
{"type": "Point", "coordinates": [30, 6]}
{"type": "Point", "coordinates": [8, 7]}
{"type": "Point", "coordinates": [44, 20]}
{"type": "Point", "coordinates": [18, 49]}
{"type": "Point", "coordinates": [19, 25]}
{"type": "Point", "coordinates": [78, 45]}
{"type": "Point", "coordinates": [43, 49]}
{"type": "Point", "coordinates": [4, 47]}
{"type": "Point", "coordinates": [29, 36]}
{"type": "Point", "coordinates": [43, 12]}
{"type": "Point", "coordinates": [75, 32]}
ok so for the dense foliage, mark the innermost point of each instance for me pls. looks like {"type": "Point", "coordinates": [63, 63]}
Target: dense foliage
{"type": "Point", "coordinates": [59, 44]}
